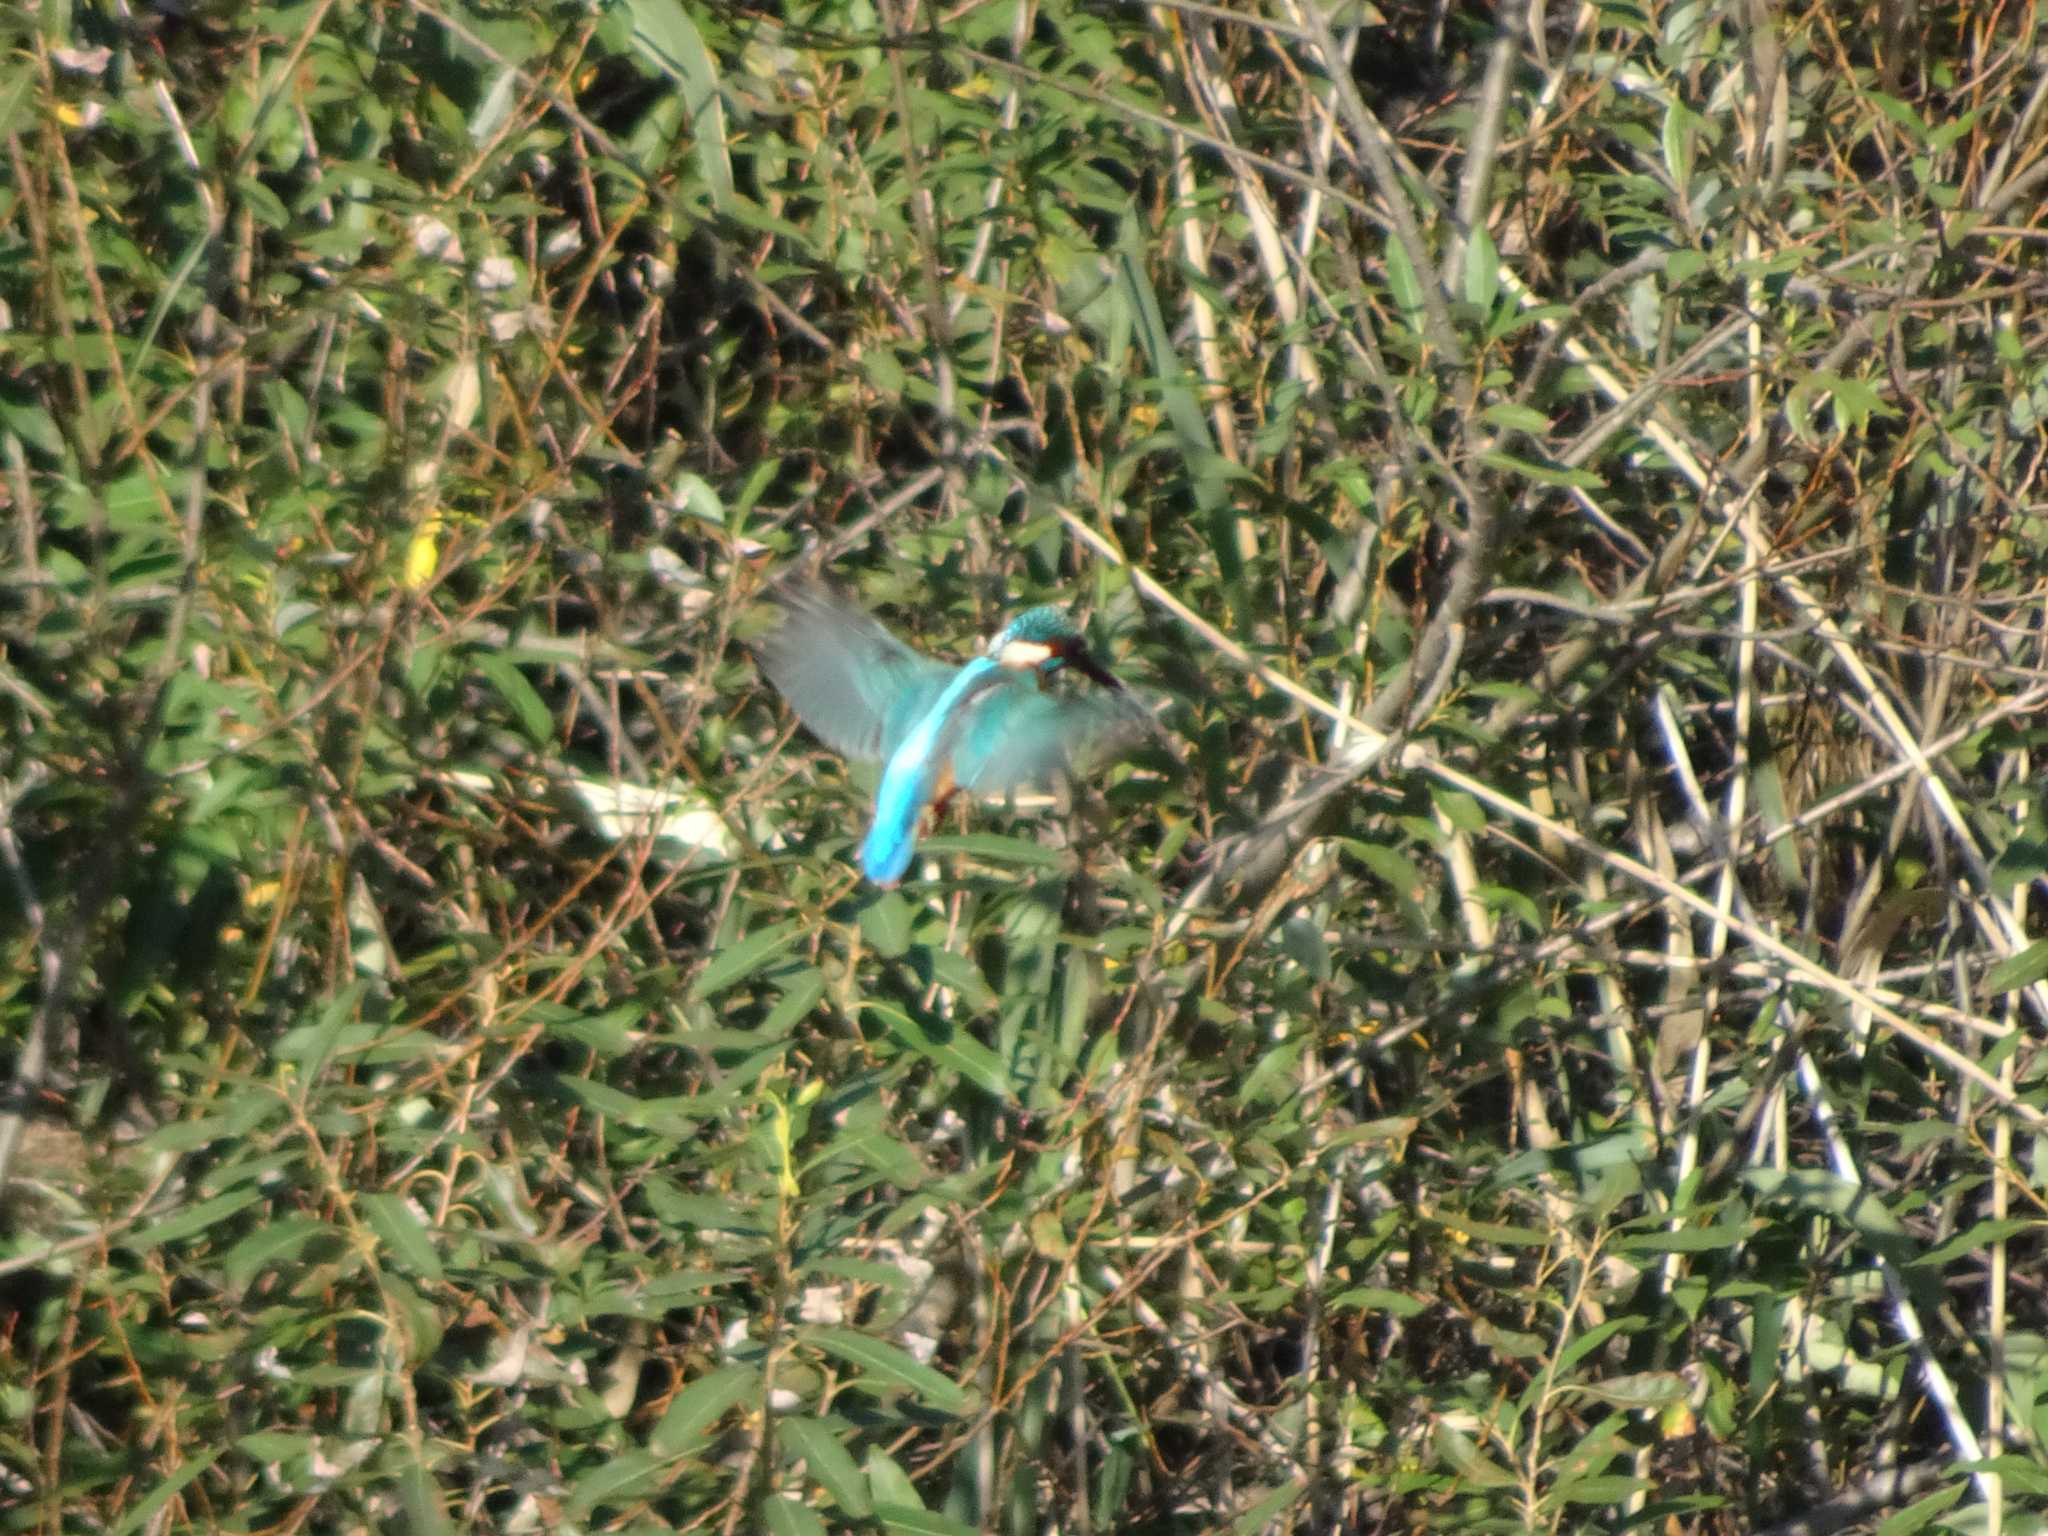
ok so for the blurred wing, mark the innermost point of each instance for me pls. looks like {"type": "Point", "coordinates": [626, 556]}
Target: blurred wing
{"type": "Point", "coordinates": [1019, 737]}
{"type": "Point", "coordinates": [857, 686]}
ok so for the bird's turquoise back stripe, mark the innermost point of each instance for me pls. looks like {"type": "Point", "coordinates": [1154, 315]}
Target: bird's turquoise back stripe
{"type": "Point", "coordinates": [913, 773]}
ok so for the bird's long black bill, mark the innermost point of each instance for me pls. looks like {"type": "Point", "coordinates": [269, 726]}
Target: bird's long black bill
{"type": "Point", "coordinates": [1078, 658]}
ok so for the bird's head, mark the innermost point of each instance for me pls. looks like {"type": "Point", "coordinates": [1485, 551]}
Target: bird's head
{"type": "Point", "coordinates": [1042, 640]}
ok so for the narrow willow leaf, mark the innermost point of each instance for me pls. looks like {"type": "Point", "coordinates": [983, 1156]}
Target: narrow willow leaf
{"type": "Point", "coordinates": [912, 1520]}
{"type": "Point", "coordinates": [827, 1461]}
{"type": "Point", "coordinates": [1367, 1298]}
{"type": "Point", "coordinates": [955, 1051]}
{"type": "Point", "coordinates": [1543, 474]}
{"type": "Point", "coordinates": [1511, 417]}
{"type": "Point", "coordinates": [1922, 1513]}
{"type": "Point", "coordinates": [893, 1365]}
{"type": "Point", "coordinates": [407, 1238]}
{"type": "Point", "coordinates": [1482, 269]}
{"type": "Point", "coordinates": [743, 959]}
{"type": "Point", "coordinates": [1209, 473]}
{"type": "Point", "coordinates": [269, 1245]}
{"type": "Point", "coordinates": [1402, 282]}
{"type": "Point", "coordinates": [517, 692]}
{"type": "Point", "coordinates": [781, 1516]}
{"type": "Point", "coordinates": [142, 1514]}
{"type": "Point", "coordinates": [693, 1412]}
{"type": "Point", "coordinates": [615, 1480]}
{"type": "Point", "coordinates": [311, 1046]}
{"type": "Point", "coordinates": [889, 1486]}
{"type": "Point", "coordinates": [1980, 1236]}
{"type": "Point", "coordinates": [996, 848]}
{"type": "Point", "coordinates": [885, 924]}
{"type": "Point", "coordinates": [805, 991]}
{"type": "Point", "coordinates": [1680, 128]}
{"type": "Point", "coordinates": [669, 40]}
{"type": "Point", "coordinates": [193, 1219]}
{"type": "Point", "coordinates": [2020, 970]}
{"type": "Point", "coordinates": [1465, 1458]}
{"type": "Point", "coordinates": [1642, 1389]}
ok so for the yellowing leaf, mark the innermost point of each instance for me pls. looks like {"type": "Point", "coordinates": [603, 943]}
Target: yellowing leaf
{"type": "Point", "coordinates": [423, 555]}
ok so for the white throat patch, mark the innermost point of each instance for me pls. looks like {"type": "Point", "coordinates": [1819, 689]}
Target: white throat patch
{"type": "Point", "coordinates": [1025, 655]}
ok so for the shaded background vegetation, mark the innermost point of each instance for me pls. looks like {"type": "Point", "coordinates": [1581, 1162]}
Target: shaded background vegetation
{"type": "Point", "coordinates": [1556, 1045]}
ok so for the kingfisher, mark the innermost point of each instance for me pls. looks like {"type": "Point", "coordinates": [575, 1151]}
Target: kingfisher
{"type": "Point", "coordinates": [988, 726]}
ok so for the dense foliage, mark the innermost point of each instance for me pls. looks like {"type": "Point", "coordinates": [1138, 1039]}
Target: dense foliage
{"type": "Point", "coordinates": [1555, 1041]}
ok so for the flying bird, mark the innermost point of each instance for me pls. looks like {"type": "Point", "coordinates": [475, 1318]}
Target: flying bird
{"type": "Point", "coordinates": [988, 726]}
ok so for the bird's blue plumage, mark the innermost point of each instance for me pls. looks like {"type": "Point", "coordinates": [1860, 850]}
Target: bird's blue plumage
{"type": "Point", "coordinates": [988, 727]}
{"type": "Point", "coordinates": [912, 775]}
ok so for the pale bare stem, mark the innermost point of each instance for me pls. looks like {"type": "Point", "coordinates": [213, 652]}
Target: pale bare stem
{"type": "Point", "coordinates": [1796, 966]}
{"type": "Point", "coordinates": [985, 226]}
{"type": "Point", "coordinates": [1217, 1393]}
{"type": "Point", "coordinates": [1888, 1488]}
{"type": "Point", "coordinates": [1555, 74]}
{"type": "Point", "coordinates": [52, 969]}
{"type": "Point", "coordinates": [2000, 1277]}
{"type": "Point", "coordinates": [1683, 1034]}
{"type": "Point", "coordinates": [1194, 251]}
{"type": "Point", "coordinates": [1962, 1440]}
{"type": "Point", "coordinates": [1991, 918]}
{"type": "Point", "coordinates": [1482, 154]}
{"type": "Point", "coordinates": [1209, 79]}
{"type": "Point", "coordinates": [1310, 223]}
{"type": "Point", "coordinates": [1311, 1449]}
{"type": "Point", "coordinates": [1615, 1011]}
{"type": "Point", "coordinates": [1236, 154]}
{"type": "Point", "coordinates": [1373, 146]}
{"type": "Point", "coordinates": [1581, 1303]}
{"type": "Point", "coordinates": [984, 235]}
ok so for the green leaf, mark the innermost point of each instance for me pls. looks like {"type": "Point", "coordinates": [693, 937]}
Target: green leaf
{"type": "Point", "coordinates": [892, 1365]}
{"type": "Point", "coordinates": [1899, 113]}
{"type": "Point", "coordinates": [142, 1513]}
{"type": "Point", "coordinates": [1510, 417]}
{"type": "Point", "coordinates": [950, 1048]}
{"type": "Point", "coordinates": [1687, 1239]}
{"type": "Point", "coordinates": [743, 959]}
{"type": "Point", "coordinates": [693, 1412]}
{"type": "Point", "coordinates": [1922, 1513]}
{"type": "Point", "coordinates": [804, 991]}
{"type": "Point", "coordinates": [271, 1244]}
{"type": "Point", "coordinates": [404, 1235]}
{"type": "Point", "coordinates": [517, 692]}
{"type": "Point", "coordinates": [889, 1486]}
{"type": "Point", "coordinates": [1403, 284]}
{"type": "Point", "coordinates": [192, 1220]}
{"type": "Point", "coordinates": [1681, 127]}
{"type": "Point", "coordinates": [827, 1460]}
{"type": "Point", "coordinates": [913, 1521]}
{"type": "Point", "coordinates": [2021, 970]}
{"type": "Point", "coordinates": [1642, 1389]}
{"type": "Point", "coordinates": [1543, 474]}
{"type": "Point", "coordinates": [1482, 269]}
{"type": "Point", "coordinates": [1979, 1237]}
{"type": "Point", "coordinates": [885, 924]}
{"type": "Point", "coordinates": [996, 848]}
{"type": "Point", "coordinates": [1369, 1298]}
{"type": "Point", "coordinates": [666, 37]}
{"type": "Point", "coordinates": [1461, 810]}
{"type": "Point", "coordinates": [783, 1516]}
{"type": "Point", "coordinates": [616, 1479]}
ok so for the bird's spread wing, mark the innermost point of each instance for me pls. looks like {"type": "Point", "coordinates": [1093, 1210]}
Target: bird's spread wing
{"type": "Point", "coordinates": [1018, 736]}
{"type": "Point", "coordinates": [857, 686]}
